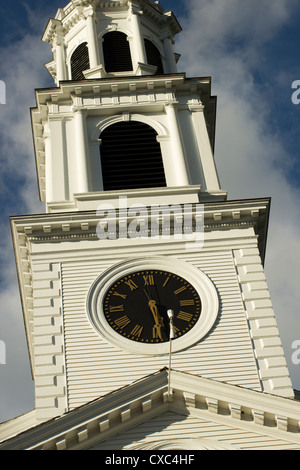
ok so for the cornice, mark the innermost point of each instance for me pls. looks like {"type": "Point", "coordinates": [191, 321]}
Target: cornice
{"type": "Point", "coordinates": [239, 213]}
{"type": "Point", "coordinates": [77, 236]}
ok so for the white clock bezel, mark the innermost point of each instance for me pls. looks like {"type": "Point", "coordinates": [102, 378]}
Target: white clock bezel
{"type": "Point", "coordinates": [202, 284]}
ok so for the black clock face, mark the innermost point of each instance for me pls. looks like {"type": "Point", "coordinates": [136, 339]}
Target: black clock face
{"type": "Point", "coordinates": [136, 306]}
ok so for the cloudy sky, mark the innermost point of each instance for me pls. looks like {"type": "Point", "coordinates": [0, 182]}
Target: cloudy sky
{"type": "Point", "coordinates": [251, 50]}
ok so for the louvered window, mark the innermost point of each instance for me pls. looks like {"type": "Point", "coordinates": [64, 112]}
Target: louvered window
{"type": "Point", "coordinates": [154, 57]}
{"type": "Point", "coordinates": [80, 61]}
{"type": "Point", "coordinates": [116, 50]}
{"type": "Point", "coordinates": [131, 157]}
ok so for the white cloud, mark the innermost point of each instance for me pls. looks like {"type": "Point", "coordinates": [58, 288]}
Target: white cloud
{"type": "Point", "coordinates": [18, 190]}
{"type": "Point", "coordinates": [226, 40]}
{"type": "Point", "coordinates": [220, 23]}
{"type": "Point", "coordinates": [21, 75]}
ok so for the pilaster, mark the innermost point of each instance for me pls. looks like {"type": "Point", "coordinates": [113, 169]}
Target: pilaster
{"type": "Point", "coordinates": [134, 16]}
{"type": "Point", "coordinates": [56, 156]}
{"type": "Point", "coordinates": [61, 72]}
{"type": "Point", "coordinates": [180, 174]}
{"type": "Point", "coordinates": [92, 38]}
{"type": "Point", "coordinates": [49, 360]}
{"type": "Point", "coordinates": [82, 159]}
{"type": "Point", "coordinates": [264, 332]}
{"type": "Point", "coordinates": [169, 53]}
{"type": "Point", "coordinates": [206, 154]}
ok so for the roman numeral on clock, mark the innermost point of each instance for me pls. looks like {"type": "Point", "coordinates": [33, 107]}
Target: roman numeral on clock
{"type": "Point", "coordinates": [185, 316]}
{"type": "Point", "coordinates": [149, 280]}
{"type": "Point", "coordinates": [178, 291]}
{"type": "Point", "coordinates": [186, 303]}
{"type": "Point", "coordinates": [131, 284]}
{"type": "Point", "coordinates": [118, 308]}
{"type": "Point", "coordinates": [122, 321]}
{"type": "Point", "coordinates": [137, 331]}
{"type": "Point", "coordinates": [123, 296]}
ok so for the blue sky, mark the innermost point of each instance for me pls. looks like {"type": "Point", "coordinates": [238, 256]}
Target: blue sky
{"type": "Point", "coordinates": [251, 50]}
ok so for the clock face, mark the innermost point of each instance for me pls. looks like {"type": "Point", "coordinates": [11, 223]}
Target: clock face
{"type": "Point", "coordinates": [136, 306]}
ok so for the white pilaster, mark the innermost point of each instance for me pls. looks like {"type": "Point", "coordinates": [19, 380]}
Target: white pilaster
{"type": "Point", "coordinates": [92, 39]}
{"type": "Point", "coordinates": [60, 60]}
{"type": "Point", "coordinates": [206, 154]}
{"type": "Point", "coordinates": [48, 163]}
{"type": "Point", "coordinates": [49, 358]}
{"type": "Point", "coordinates": [96, 169]}
{"type": "Point", "coordinates": [81, 151]}
{"type": "Point", "coordinates": [170, 56]}
{"type": "Point", "coordinates": [56, 158]}
{"type": "Point", "coordinates": [179, 176]}
{"type": "Point", "coordinates": [165, 143]}
{"type": "Point", "coordinates": [137, 34]}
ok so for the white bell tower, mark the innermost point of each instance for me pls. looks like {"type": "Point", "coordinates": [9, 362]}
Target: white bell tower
{"type": "Point", "coordinates": [114, 62]}
{"type": "Point", "coordinates": [123, 131]}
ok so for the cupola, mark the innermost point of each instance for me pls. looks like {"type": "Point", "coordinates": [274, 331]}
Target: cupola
{"type": "Point", "coordinates": [94, 39]}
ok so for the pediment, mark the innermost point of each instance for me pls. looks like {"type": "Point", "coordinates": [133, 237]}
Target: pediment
{"type": "Point", "coordinates": [188, 413]}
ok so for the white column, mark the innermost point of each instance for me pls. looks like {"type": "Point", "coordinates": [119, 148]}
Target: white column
{"type": "Point", "coordinates": [57, 179]}
{"type": "Point", "coordinates": [92, 40]}
{"type": "Point", "coordinates": [48, 164]}
{"type": "Point", "coordinates": [138, 39]}
{"type": "Point", "coordinates": [170, 56]}
{"type": "Point", "coordinates": [205, 150]}
{"type": "Point", "coordinates": [96, 168]}
{"type": "Point", "coordinates": [60, 60]}
{"type": "Point", "coordinates": [81, 151]}
{"type": "Point", "coordinates": [179, 175]}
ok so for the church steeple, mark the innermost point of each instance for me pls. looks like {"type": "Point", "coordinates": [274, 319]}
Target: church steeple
{"type": "Point", "coordinates": [129, 126]}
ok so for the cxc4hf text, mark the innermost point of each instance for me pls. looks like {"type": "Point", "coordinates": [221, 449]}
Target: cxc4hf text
{"type": "Point", "coordinates": [152, 459]}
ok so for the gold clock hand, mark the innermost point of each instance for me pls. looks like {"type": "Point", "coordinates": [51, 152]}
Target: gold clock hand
{"type": "Point", "coordinates": [157, 318]}
{"type": "Point", "coordinates": [154, 310]}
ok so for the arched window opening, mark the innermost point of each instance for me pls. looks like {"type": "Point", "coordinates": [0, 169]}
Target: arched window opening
{"type": "Point", "coordinates": [80, 61]}
{"type": "Point", "coordinates": [116, 51]}
{"type": "Point", "coordinates": [154, 57]}
{"type": "Point", "coordinates": [131, 157]}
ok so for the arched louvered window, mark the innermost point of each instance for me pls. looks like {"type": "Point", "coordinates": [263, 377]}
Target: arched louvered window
{"type": "Point", "coordinates": [116, 50]}
{"type": "Point", "coordinates": [131, 157]}
{"type": "Point", "coordinates": [80, 61]}
{"type": "Point", "coordinates": [154, 57]}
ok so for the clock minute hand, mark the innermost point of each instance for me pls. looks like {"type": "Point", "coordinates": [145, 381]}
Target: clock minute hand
{"type": "Point", "coordinates": [157, 318]}
{"type": "Point", "coordinates": [154, 310]}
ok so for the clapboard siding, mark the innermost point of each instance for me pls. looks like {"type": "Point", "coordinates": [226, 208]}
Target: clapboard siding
{"type": "Point", "coordinates": [96, 368]}
{"type": "Point", "coordinates": [171, 426]}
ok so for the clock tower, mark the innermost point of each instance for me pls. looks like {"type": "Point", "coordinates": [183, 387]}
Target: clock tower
{"type": "Point", "coordinates": [137, 225]}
